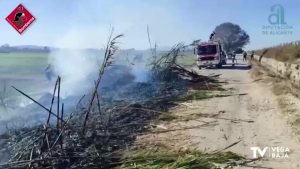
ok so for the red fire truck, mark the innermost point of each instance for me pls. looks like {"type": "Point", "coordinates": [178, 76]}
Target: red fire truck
{"type": "Point", "coordinates": [210, 54]}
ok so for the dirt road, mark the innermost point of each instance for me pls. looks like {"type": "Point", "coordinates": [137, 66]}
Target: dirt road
{"type": "Point", "coordinates": [255, 115]}
{"type": "Point", "coordinates": [251, 117]}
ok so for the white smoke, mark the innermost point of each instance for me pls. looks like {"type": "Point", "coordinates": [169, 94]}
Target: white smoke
{"type": "Point", "coordinates": [76, 68]}
{"type": "Point", "coordinates": [140, 71]}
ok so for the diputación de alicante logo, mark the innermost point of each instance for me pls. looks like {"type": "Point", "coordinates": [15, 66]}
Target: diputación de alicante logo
{"type": "Point", "coordinates": [20, 18]}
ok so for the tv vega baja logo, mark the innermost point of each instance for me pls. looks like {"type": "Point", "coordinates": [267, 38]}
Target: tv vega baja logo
{"type": "Point", "coordinates": [277, 23]}
{"type": "Point", "coordinates": [270, 152]}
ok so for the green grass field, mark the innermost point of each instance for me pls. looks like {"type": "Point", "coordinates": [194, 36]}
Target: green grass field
{"type": "Point", "coordinates": [25, 59]}
{"type": "Point", "coordinates": [23, 70]}
{"type": "Point", "coordinates": [22, 63]}
{"type": "Point", "coordinates": [188, 59]}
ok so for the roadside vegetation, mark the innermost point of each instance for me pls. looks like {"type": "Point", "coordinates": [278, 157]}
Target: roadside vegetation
{"type": "Point", "coordinates": [195, 95]}
{"type": "Point", "coordinates": [164, 159]}
{"type": "Point", "coordinates": [288, 52]}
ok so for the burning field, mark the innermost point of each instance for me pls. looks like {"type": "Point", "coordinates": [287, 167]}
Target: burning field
{"type": "Point", "coordinates": [93, 129]}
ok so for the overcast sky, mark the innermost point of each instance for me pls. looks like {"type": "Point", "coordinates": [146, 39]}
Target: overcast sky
{"type": "Point", "coordinates": [86, 23]}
